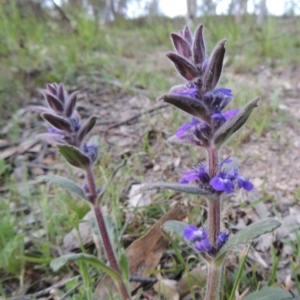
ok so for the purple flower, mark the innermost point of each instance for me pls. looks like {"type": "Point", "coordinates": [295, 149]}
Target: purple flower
{"type": "Point", "coordinates": [191, 91]}
{"type": "Point", "coordinates": [192, 233]}
{"type": "Point", "coordinates": [223, 237]}
{"type": "Point", "coordinates": [218, 118]}
{"type": "Point", "coordinates": [221, 182]}
{"type": "Point", "coordinates": [198, 174]}
{"type": "Point", "coordinates": [217, 99]}
{"type": "Point", "coordinates": [187, 126]}
{"type": "Point", "coordinates": [223, 91]}
{"type": "Point", "coordinates": [230, 113]}
{"type": "Point", "coordinates": [224, 180]}
{"type": "Point", "coordinates": [204, 246]}
{"type": "Point", "coordinates": [200, 238]}
{"type": "Point", "coordinates": [91, 151]}
{"type": "Point", "coordinates": [242, 181]}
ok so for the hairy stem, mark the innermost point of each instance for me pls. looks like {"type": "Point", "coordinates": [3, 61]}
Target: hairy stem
{"type": "Point", "coordinates": [214, 282]}
{"type": "Point", "coordinates": [214, 205]}
{"type": "Point", "coordinates": [110, 254]}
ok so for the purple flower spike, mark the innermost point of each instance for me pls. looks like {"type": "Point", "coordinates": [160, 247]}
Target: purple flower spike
{"type": "Point", "coordinates": [221, 182]}
{"type": "Point", "coordinates": [186, 127]}
{"type": "Point", "coordinates": [192, 233]}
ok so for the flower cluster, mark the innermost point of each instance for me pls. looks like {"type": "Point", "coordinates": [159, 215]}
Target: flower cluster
{"type": "Point", "coordinates": [200, 239]}
{"type": "Point", "coordinates": [64, 121]}
{"type": "Point", "coordinates": [199, 97]}
{"type": "Point", "coordinates": [224, 181]}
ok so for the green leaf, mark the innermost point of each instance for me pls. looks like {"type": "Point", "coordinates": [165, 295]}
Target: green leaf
{"type": "Point", "coordinates": [59, 262]}
{"type": "Point", "coordinates": [74, 156]}
{"type": "Point", "coordinates": [246, 235]}
{"type": "Point", "coordinates": [269, 293]}
{"type": "Point", "coordinates": [124, 265]}
{"type": "Point", "coordinates": [184, 188]}
{"type": "Point", "coordinates": [65, 183]}
{"type": "Point", "coordinates": [175, 227]}
{"type": "Point", "coordinates": [234, 124]}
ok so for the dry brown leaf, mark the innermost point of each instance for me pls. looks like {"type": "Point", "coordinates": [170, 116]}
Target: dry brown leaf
{"type": "Point", "coordinates": [143, 255]}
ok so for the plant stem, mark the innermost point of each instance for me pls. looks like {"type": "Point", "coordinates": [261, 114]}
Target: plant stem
{"type": "Point", "coordinates": [214, 282]}
{"type": "Point", "coordinates": [214, 205]}
{"type": "Point", "coordinates": [110, 254]}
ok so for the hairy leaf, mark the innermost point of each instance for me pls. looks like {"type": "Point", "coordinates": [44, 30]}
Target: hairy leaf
{"type": "Point", "coordinates": [59, 262]}
{"type": "Point", "coordinates": [187, 34]}
{"type": "Point", "coordinates": [175, 227]}
{"type": "Point", "coordinates": [58, 122]}
{"type": "Point", "coordinates": [65, 183]}
{"type": "Point", "coordinates": [86, 128]}
{"type": "Point", "coordinates": [184, 67]}
{"type": "Point", "coordinates": [199, 50]}
{"type": "Point", "coordinates": [54, 102]}
{"type": "Point", "coordinates": [184, 188]}
{"type": "Point", "coordinates": [214, 67]}
{"type": "Point", "coordinates": [74, 156]}
{"type": "Point", "coordinates": [70, 107]}
{"type": "Point", "coordinates": [61, 93]}
{"type": "Point", "coordinates": [234, 124]}
{"type": "Point", "coordinates": [246, 235]}
{"type": "Point", "coordinates": [190, 105]}
{"type": "Point", "coordinates": [269, 293]}
{"type": "Point", "coordinates": [181, 45]}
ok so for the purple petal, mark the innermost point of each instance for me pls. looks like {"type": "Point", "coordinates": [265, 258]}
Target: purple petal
{"type": "Point", "coordinates": [223, 237]}
{"type": "Point", "coordinates": [187, 126]}
{"type": "Point", "coordinates": [224, 91]}
{"type": "Point", "coordinates": [192, 92]}
{"type": "Point", "coordinates": [230, 113]}
{"type": "Point", "coordinates": [203, 246]}
{"type": "Point", "coordinates": [192, 233]}
{"type": "Point", "coordinates": [221, 183]}
{"type": "Point", "coordinates": [244, 183]}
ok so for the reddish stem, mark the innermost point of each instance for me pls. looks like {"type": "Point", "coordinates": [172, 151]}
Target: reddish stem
{"type": "Point", "coordinates": [214, 205]}
{"type": "Point", "coordinates": [214, 282]}
{"type": "Point", "coordinates": [103, 231]}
